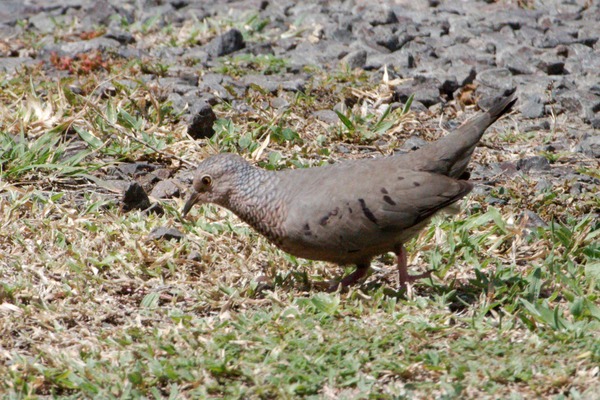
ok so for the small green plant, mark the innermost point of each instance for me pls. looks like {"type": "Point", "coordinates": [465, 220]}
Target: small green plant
{"type": "Point", "coordinates": [21, 157]}
{"type": "Point", "coordinates": [370, 127]}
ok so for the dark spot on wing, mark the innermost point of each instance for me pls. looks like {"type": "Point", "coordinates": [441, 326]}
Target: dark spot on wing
{"type": "Point", "coordinates": [368, 213]}
{"type": "Point", "coordinates": [389, 200]}
{"type": "Point", "coordinates": [325, 220]}
{"type": "Point", "coordinates": [417, 184]}
{"type": "Point", "coordinates": [384, 191]}
{"type": "Point", "coordinates": [400, 178]}
{"type": "Point", "coordinates": [306, 229]}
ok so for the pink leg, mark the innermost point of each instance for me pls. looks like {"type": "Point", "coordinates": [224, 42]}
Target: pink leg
{"type": "Point", "coordinates": [403, 269]}
{"type": "Point", "coordinates": [359, 272]}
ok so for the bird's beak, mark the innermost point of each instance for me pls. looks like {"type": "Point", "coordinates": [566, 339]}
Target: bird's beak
{"type": "Point", "coordinates": [193, 199]}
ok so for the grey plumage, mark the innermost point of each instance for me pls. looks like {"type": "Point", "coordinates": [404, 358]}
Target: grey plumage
{"type": "Point", "coordinates": [349, 212]}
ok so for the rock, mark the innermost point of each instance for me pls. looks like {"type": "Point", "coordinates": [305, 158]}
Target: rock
{"type": "Point", "coordinates": [532, 220]}
{"type": "Point", "coordinates": [355, 59]}
{"type": "Point", "coordinates": [164, 233]}
{"type": "Point", "coordinates": [425, 89]}
{"type": "Point", "coordinates": [11, 65]}
{"type": "Point", "coordinates": [590, 145]}
{"type": "Point", "coordinates": [86, 46]}
{"type": "Point", "coordinates": [226, 43]}
{"type": "Point", "coordinates": [493, 83]}
{"type": "Point", "coordinates": [543, 185]}
{"type": "Point", "coordinates": [166, 189]}
{"type": "Point", "coordinates": [378, 16]}
{"type": "Point", "coordinates": [200, 125]}
{"type": "Point", "coordinates": [327, 116]}
{"type": "Point", "coordinates": [533, 106]}
{"type": "Point", "coordinates": [135, 198]}
{"type": "Point", "coordinates": [535, 163]}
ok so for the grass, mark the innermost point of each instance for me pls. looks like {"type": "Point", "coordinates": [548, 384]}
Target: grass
{"type": "Point", "coordinates": [92, 308]}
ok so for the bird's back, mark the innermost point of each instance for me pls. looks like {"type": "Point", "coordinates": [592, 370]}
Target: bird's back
{"type": "Point", "coordinates": [351, 211]}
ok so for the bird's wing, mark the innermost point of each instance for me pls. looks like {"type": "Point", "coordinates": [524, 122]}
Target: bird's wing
{"type": "Point", "coordinates": [365, 204]}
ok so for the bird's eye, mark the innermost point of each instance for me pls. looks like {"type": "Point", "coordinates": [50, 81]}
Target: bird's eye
{"type": "Point", "coordinates": [206, 180]}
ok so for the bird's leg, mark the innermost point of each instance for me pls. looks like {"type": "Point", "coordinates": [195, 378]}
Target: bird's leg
{"type": "Point", "coordinates": [403, 268]}
{"type": "Point", "coordinates": [355, 276]}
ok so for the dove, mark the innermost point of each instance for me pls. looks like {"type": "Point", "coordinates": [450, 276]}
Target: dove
{"type": "Point", "coordinates": [351, 211]}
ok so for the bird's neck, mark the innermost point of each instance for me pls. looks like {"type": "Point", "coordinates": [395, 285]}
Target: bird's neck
{"type": "Point", "coordinates": [257, 200]}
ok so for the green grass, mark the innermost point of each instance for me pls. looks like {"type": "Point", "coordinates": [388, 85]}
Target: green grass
{"type": "Point", "coordinates": [90, 307]}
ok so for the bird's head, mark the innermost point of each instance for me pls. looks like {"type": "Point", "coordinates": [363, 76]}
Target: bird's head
{"type": "Point", "coordinates": [214, 179]}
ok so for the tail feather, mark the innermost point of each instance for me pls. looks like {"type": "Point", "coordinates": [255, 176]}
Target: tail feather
{"type": "Point", "coordinates": [451, 154]}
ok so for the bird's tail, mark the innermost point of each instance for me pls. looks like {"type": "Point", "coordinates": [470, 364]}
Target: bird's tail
{"type": "Point", "coordinates": [452, 153]}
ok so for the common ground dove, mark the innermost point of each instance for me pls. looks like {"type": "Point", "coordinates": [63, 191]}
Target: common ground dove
{"type": "Point", "coordinates": [349, 212]}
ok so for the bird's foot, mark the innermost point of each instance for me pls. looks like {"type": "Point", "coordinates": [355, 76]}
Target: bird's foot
{"type": "Point", "coordinates": [349, 280]}
{"type": "Point", "coordinates": [405, 279]}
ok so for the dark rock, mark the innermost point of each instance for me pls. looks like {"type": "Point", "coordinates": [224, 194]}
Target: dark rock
{"type": "Point", "coordinates": [378, 16]}
{"type": "Point", "coordinates": [584, 103]}
{"type": "Point", "coordinates": [135, 198]}
{"type": "Point", "coordinates": [533, 106]}
{"type": "Point", "coordinates": [355, 59]}
{"type": "Point", "coordinates": [185, 176]}
{"type": "Point", "coordinates": [10, 65]}
{"type": "Point", "coordinates": [12, 11]}
{"type": "Point", "coordinates": [280, 103]}
{"type": "Point", "coordinates": [327, 116]}
{"type": "Point", "coordinates": [543, 185]}
{"type": "Point", "coordinates": [386, 37]}
{"type": "Point", "coordinates": [294, 85]}
{"type": "Point", "coordinates": [120, 36]}
{"type": "Point", "coordinates": [179, 85]}
{"type": "Point", "coordinates": [148, 180]}
{"type": "Point", "coordinates": [44, 22]}
{"type": "Point", "coordinates": [576, 189]}
{"type": "Point", "coordinates": [399, 60]}
{"type": "Point", "coordinates": [226, 43]}
{"type": "Point", "coordinates": [541, 126]}
{"type": "Point", "coordinates": [494, 84]}
{"type": "Point", "coordinates": [550, 64]}
{"type": "Point", "coordinates": [465, 74]}
{"type": "Point", "coordinates": [166, 189]}
{"type": "Point", "coordinates": [518, 62]}
{"type": "Point", "coordinates": [535, 163]}
{"type": "Point", "coordinates": [200, 125]}
{"type": "Point", "coordinates": [177, 102]}
{"type": "Point", "coordinates": [588, 35]}
{"type": "Point", "coordinates": [196, 55]}
{"type": "Point", "coordinates": [465, 54]}
{"type": "Point", "coordinates": [265, 83]}
{"type": "Point", "coordinates": [164, 233]}
{"type": "Point", "coordinates": [194, 256]}
{"type": "Point", "coordinates": [449, 85]}
{"type": "Point", "coordinates": [494, 201]}
{"type": "Point", "coordinates": [532, 220]}
{"type": "Point", "coordinates": [86, 46]}
{"type": "Point", "coordinates": [105, 90]}
{"type": "Point", "coordinates": [553, 38]}
{"type": "Point", "coordinates": [100, 12]}
{"type": "Point", "coordinates": [425, 89]}
{"type": "Point", "coordinates": [342, 36]}
{"type": "Point", "coordinates": [590, 145]}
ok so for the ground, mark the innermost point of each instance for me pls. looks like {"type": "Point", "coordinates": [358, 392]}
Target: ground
{"type": "Point", "coordinates": [93, 305]}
